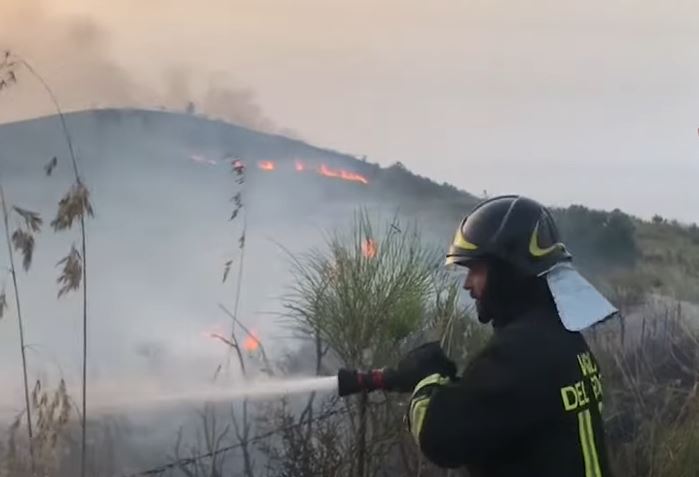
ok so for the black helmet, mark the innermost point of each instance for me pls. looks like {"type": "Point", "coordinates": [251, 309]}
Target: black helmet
{"type": "Point", "coordinates": [514, 229]}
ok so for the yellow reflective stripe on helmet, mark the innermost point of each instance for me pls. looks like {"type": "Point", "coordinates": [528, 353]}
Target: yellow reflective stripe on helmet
{"type": "Point", "coordinates": [461, 242]}
{"type": "Point", "coordinates": [419, 405]}
{"type": "Point", "coordinates": [534, 247]}
{"type": "Point", "coordinates": [587, 442]}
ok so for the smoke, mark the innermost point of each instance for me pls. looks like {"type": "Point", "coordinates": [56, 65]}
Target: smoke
{"type": "Point", "coordinates": [74, 56]}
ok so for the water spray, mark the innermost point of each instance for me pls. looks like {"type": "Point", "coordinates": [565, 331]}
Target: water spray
{"type": "Point", "coordinates": [146, 395]}
{"type": "Point", "coordinates": [346, 383]}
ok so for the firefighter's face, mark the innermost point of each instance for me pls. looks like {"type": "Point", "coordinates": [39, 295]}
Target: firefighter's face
{"type": "Point", "coordinates": [476, 280]}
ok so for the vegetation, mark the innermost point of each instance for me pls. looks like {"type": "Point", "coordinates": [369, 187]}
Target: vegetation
{"type": "Point", "coordinates": [361, 300]}
{"type": "Point", "coordinates": [43, 455]}
{"type": "Point", "coordinates": [651, 380]}
{"type": "Point", "coordinates": [23, 241]}
{"type": "Point", "coordinates": [73, 207]}
{"type": "Point", "coordinates": [650, 360]}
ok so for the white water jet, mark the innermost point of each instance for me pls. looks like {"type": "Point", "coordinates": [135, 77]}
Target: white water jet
{"type": "Point", "coordinates": [114, 400]}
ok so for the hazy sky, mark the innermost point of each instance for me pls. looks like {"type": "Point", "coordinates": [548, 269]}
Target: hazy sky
{"type": "Point", "coordinates": [594, 102]}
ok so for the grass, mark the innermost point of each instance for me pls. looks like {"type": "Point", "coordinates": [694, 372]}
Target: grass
{"type": "Point", "coordinates": [651, 376]}
{"type": "Point", "coordinates": [53, 410]}
{"type": "Point", "coordinates": [23, 240]}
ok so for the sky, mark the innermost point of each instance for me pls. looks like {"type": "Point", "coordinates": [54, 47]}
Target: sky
{"type": "Point", "coordinates": [591, 102]}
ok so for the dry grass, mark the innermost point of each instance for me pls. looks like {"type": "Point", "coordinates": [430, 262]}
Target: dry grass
{"type": "Point", "coordinates": [52, 409]}
{"type": "Point", "coordinates": [23, 236]}
{"type": "Point", "coordinates": [74, 205]}
{"type": "Point", "coordinates": [651, 373]}
{"type": "Point", "coordinates": [23, 240]}
{"type": "Point", "coordinates": [71, 274]}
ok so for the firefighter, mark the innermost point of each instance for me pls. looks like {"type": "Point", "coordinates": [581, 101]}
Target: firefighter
{"type": "Point", "coordinates": [530, 403]}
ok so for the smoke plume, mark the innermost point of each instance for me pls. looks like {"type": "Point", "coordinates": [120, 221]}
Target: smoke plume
{"type": "Point", "coordinates": [74, 56]}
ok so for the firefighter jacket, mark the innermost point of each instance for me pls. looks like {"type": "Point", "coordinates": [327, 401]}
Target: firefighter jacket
{"type": "Point", "coordinates": [528, 405]}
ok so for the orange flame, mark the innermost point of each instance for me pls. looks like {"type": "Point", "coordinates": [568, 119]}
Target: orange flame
{"type": "Point", "coordinates": [266, 165]}
{"type": "Point", "coordinates": [341, 174]}
{"type": "Point", "coordinates": [369, 248]}
{"type": "Point", "coordinates": [353, 176]}
{"type": "Point", "coordinates": [300, 166]}
{"type": "Point", "coordinates": [251, 342]}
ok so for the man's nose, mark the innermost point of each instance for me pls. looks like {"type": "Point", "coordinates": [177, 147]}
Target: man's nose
{"type": "Point", "coordinates": [468, 282]}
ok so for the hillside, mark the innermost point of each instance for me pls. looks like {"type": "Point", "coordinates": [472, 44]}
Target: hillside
{"type": "Point", "coordinates": [662, 254]}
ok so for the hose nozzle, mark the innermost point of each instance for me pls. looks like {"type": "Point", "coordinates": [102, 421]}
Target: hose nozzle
{"type": "Point", "coordinates": [351, 381]}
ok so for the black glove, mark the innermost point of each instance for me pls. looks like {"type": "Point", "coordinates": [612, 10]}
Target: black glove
{"type": "Point", "coordinates": [419, 363]}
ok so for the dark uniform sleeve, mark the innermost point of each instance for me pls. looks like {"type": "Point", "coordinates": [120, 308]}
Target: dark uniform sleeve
{"type": "Point", "coordinates": [497, 402]}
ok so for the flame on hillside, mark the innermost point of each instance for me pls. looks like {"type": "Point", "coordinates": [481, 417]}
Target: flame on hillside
{"type": "Point", "coordinates": [369, 248]}
{"type": "Point", "coordinates": [251, 342]}
{"type": "Point", "coordinates": [323, 170]}
{"type": "Point", "coordinates": [266, 165]}
{"type": "Point", "coordinates": [299, 167]}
